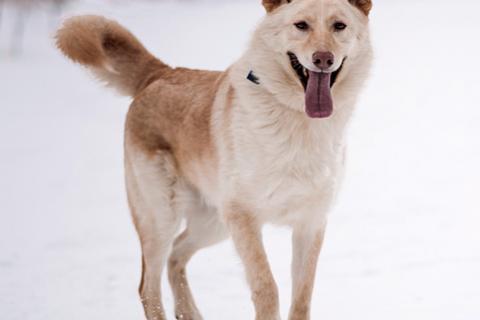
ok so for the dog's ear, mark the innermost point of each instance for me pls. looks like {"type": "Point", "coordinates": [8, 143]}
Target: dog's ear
{"type": "Point", "coordinates": [364, 5]}
{"type": "Point", "coordinates": [271, 5]}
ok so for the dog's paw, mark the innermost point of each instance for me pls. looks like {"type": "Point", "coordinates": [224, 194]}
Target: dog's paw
{"type": "Point", "coordinates": [185, 316]}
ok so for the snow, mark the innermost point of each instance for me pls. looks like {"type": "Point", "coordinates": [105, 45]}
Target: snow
{"type": "Point", "coordinates": [403, 241]}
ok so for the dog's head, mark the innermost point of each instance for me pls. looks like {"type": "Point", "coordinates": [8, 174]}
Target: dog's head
{"type": "Point", "coordinates": [316, 38]}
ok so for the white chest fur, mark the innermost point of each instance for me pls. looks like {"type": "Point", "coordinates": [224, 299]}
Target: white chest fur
{"type": "Point", "coordinates": [285, 162]}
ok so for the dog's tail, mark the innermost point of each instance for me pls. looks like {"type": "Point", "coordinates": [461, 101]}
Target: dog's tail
{"type": "Point", "coordinates": [111, 52]}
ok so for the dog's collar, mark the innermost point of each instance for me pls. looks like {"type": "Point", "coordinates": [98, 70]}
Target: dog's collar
{"type": "Point", "coordinates": [253, 78]}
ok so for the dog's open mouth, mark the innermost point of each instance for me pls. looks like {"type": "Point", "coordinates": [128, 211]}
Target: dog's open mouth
{"type": "Point", "coordinates": [317, 85]}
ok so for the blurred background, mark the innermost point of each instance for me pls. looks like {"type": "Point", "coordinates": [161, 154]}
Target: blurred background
{"type": "Point", "coordinates": [403, 241]}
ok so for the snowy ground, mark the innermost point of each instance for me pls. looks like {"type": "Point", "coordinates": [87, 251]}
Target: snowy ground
{"type": "Point", "coordinates": [403, 241]}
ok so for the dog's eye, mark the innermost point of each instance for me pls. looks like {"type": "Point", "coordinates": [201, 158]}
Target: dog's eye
{"type": "Point", "coordinates": [302, 25]}
{"type": "Point", "coordinates": [339, 26]}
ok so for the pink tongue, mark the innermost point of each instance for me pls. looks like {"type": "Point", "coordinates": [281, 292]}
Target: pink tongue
{"type": "Point", "coordinates": [318, 98]}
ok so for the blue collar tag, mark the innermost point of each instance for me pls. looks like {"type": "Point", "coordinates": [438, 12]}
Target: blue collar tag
{"type": "Point", "coordinates": [253, 78]}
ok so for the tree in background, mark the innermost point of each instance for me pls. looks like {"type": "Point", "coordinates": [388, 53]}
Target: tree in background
{"type": "Point", "coordinates": [22, 10]}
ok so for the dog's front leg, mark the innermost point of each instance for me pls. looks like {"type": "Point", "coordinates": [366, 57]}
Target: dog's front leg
{"type": "Point", "coordinates": [307, 243]}
{"type": "Point", "coordinates": [247, 237]}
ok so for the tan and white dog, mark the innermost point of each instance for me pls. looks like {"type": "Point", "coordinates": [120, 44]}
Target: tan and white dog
{"type": "Point", "coordinates": [263, 142]}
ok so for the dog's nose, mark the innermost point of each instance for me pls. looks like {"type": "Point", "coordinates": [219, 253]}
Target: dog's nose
{"type": "Point", "coordinates": [323, 60]}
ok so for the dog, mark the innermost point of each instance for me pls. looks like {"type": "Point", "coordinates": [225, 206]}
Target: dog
{"type": "Point", "coordinates": [262, 142]}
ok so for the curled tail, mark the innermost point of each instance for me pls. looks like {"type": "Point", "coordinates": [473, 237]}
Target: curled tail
{"type": "Point", "coordinates": [111, 52]}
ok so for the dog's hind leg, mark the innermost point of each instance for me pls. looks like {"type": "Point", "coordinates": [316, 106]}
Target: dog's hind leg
{"type": "Point", "coordinates": [204, 229]}
{"type": "Point", "coordinates": [151, 181]}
